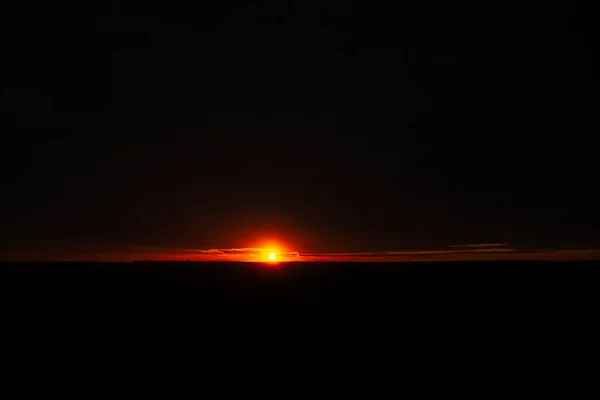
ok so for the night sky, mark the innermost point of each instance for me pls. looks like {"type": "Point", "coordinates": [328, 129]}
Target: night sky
{"type": "Point", "coordinates": [431, 130]}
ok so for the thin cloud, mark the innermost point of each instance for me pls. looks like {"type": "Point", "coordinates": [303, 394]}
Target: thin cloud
{"type": "Point", "coordinates": [237, 253]}
{"type": "Point", "coordinates": [244, 250]}
{"type": "Point", "coordinates": [472, 253]}
{"type": "Point", "coordinates": [209, 251]}
{"type": "Point", "coordinates": [410, 253]}
{"type": "Point", "coordinates": [481, 245]}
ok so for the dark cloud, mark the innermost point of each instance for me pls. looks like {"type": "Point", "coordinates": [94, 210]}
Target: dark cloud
{"type": "Point", "coordinates": [347, 130]}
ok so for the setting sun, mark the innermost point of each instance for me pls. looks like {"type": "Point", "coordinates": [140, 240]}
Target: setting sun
{"type": "Point", "coordinates": [272, 257]}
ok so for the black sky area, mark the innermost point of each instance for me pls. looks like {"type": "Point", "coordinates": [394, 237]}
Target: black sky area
{"type": "Point", "coordinates": [334, 125]}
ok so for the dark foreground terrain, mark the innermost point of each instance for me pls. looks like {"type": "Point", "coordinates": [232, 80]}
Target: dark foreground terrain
{"type": "Point", "coordinates": [226, 307]}
{"type": "Point", "coordinates": [190, 292]}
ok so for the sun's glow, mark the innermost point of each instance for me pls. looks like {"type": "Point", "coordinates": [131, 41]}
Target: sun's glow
{"type": "Point", "coordinates": [272, 257]}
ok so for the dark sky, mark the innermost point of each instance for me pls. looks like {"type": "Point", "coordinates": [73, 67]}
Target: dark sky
{"type": "Point", "coordinates": [336, 127]}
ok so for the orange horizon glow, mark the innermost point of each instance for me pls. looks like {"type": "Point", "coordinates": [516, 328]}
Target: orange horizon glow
{"type": "Point", "coordinates": [276, 253]}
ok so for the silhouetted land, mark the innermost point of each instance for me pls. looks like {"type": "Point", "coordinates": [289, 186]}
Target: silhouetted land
{"type": "Point", "coordinates": [165, 289]}
{"type": "Point", "coordinates": [148, 309]}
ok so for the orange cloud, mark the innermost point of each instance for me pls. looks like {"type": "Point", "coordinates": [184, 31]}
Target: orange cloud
{"type": "Point", "coordinates": [470, 254]}
{"type": "Point", "coordinates": [481, 245]}
{"type": "Point", "coordinates": [230, 254]}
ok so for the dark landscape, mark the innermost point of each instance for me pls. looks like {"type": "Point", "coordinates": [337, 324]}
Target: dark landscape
{"type": "Point", "coordinates": [188, 292]}
{"type": "Point", "coordinates": [326, 319]}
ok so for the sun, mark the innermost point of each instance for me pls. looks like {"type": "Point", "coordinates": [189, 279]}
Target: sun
{"type": "Point", "coordinates": [272, 257]}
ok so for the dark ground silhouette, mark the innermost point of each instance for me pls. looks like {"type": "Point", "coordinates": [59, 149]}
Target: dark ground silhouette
{"type": "Point", "coordinates": [189, 293]}
{"type": "Point", "coordinates": [297, 321]}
